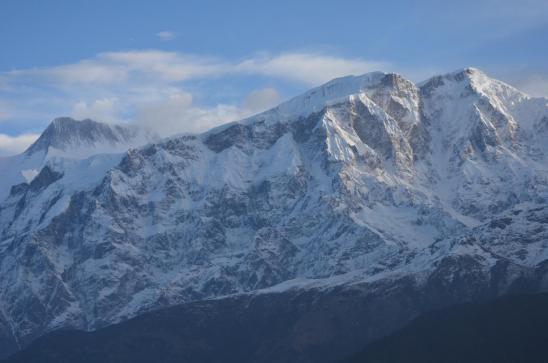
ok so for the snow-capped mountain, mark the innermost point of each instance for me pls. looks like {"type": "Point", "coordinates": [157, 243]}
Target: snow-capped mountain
{"type": "Point", "coordinates": [439, 187]}
{"type": "Point", "coordinates": [67, 138]}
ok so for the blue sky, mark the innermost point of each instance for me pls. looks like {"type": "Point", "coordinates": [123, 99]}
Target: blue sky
{"type": "Point", "coordinates": [190, 65]}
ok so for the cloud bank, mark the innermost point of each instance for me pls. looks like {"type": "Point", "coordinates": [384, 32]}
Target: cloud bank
{"type": "Point", "coordinates": [157, 88]}
{"type": "Point", "coordinates": [162, 89]}
{"type": "Point", "coordinates": [162, 66]}
{"type": "Point", "coordinates": [10, 145]}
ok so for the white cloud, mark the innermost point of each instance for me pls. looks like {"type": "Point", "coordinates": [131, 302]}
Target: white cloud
{"type": "Point", "coordinates": [154, 65]}
{"type": "Point", "coordinates": [111, 68]}
{"type": "Point", "coordinates": [177, 113]}
{"type": "Point", "coordinates": [166, 35]}
{"type": "Point", "coordinates": [104, 109]}
{"type": "Point", "coordinates": [535, 86]}
{"type": "Point", "coordinates": [311, 69]}
{"type": "Point", "coordinates": [89, 72]}
{"type": "Point", "coordinates": [161, 66]}
{"type": "Point", "coordinates": [153, 87]}
{"type": "Point", "coordinates": [261, 100]}
{"type": "Point", "coordinates": [150, 86]}
{"type": "Point", "coordinates": [10, 145]}
{"type": "Point", "coordinates": [166, 115]}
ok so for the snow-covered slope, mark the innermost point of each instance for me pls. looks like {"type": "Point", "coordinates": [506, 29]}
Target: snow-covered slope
{"type": "Point", "coordinates": [364, 179]}
{"type": "Point", "coordinates": [69, 139]}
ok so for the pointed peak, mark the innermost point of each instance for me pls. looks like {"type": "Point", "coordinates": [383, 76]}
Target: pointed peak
{"type": "Point", "coordinates": [460, 75]}
{"type": "Point", "coordinates": [68, 122]}
{"type": "Point", "coordinates": [467, 77]}
{"type": "Point", "coordinates": [59, 121]}
{"type": "Point", "coordinates": [65, 120]}
{"type": "Point", "coordinates": [65, 125]}
{"type": "Point", "coordinates": [353, 79]}
{"type": "Point", "coordinates": [473, 70]}
{"type": "Point", "coordinates": [396, 81]}
{"type": "Point", "coordinates": [470, 71]}
{"type": "Point", "coordinates": [317, 98]}
{"type": "Point", "coordinates": [60, 131]}
{"type": "Point", "coordinates": [472, 81]}
{"type": "Point", "coordinates": [466, 74]}
{"type": "Point", "coordinates": [65, 133]}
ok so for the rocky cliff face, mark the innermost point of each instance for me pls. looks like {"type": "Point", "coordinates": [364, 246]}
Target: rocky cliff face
{"type": "Point", "coordinates": [365, 180]}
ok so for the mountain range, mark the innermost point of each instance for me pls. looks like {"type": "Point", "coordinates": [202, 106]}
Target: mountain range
{"type": "Point", "coordinates": [319, 225]}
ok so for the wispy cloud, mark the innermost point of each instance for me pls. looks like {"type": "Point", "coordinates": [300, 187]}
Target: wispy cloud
{"type": "Point", "coordinates": [104, 109]}
{"type": "Point", "coordinates": [118, 68]}
{"type": "Point", "coordinates": [308, 68]}
{"type": "Point", "coordinates": [10, 145]}
{"type": "Point", "coordinates": [151, 86]}
{"type": "Point", "coordinates": [536, 85]}
{"type": "Point", "coordinates": [162, 66]}
{"type": "Point", "coordinates": [166, 35]}
{"type": "Point", "coordinates": [158, 88]}
{"type": "Point", "coordinates": [177, 113]}
{"type": "Point", "coordinates": [262, 99]}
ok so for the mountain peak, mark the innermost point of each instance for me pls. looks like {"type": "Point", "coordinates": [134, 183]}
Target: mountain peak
{"type": "Point", "coordinates": [60, 121]}
{"type": "Point", "coordinates": [471, 81]}
{"type": "Point", "coordinates": [68, 124]}
{"type": "Point", "coordinates": [469, 75]}
{"type": "Point", "coordinates": [469, 71]}
{"type": "Point", "coordinates": [66, 133]}
{"type": "Point", "coordinates": [63, 132]}
{"type": "Point", "coordinates": [317, 98]}
{"type": "Point", "coordinates": [71, 139]}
